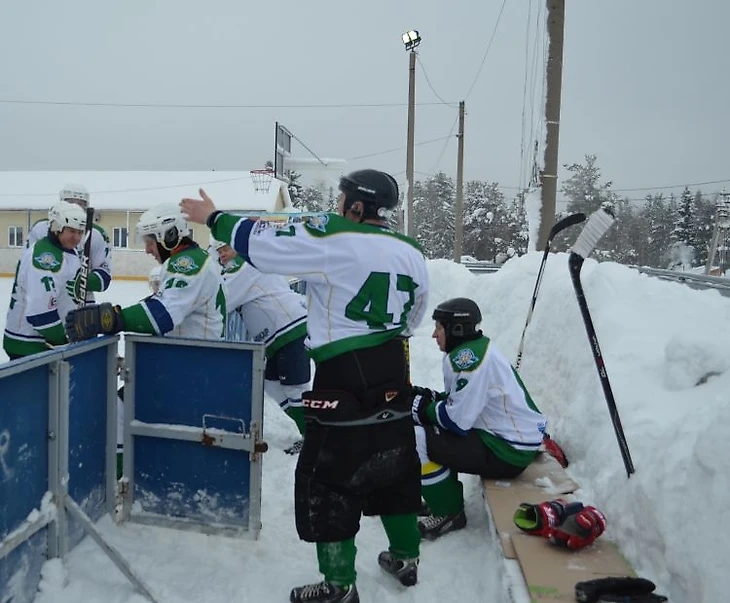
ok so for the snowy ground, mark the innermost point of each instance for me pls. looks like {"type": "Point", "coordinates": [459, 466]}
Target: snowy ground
{"type": "Point", "coordinates": [671, 519]}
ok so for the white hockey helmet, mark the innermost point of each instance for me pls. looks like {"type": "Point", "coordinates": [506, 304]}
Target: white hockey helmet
{"type": "Point", "coordinates": [166, 223]}
{"type": "Point", "coordinates": [66, 215]}
{"type": "Point", "coordinates": [74, 193]}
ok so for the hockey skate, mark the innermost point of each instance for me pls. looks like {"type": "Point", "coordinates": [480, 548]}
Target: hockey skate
{"type": "Point", "coordinates": [435, 526]}
{"type": "Point", "coordinates": [295, 448]}
{"type": "Point", "coordinates": [324, 592]}
{"type": "Point", "coordinates": [406, 570]}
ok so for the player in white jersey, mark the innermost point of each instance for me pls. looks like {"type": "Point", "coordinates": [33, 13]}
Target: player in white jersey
{"type": "Point", "coordinates": [484, 423]}
{"type": "Point", "coordinates": [39, 300]}
{"type": "Point", "coordinates": [190, 301]}
{"type": "Point", "coordinates": [100, 255]}
{"type": "Point", "coordinates": [367, 290]}
{"type": "Point", "coordinates": [275, 315]}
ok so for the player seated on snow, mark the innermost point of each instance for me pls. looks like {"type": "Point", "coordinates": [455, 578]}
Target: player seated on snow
{"type": "Point", "coordinates": [276, 316]}
{"type": "Point", "coordinates": [45, 275]}
{"type": "Point", "coordinates": [100, 254]}
{"type": "Point", "coordinates": [190, 302]}
{"type": "Point", "coordinates": [484, 423]}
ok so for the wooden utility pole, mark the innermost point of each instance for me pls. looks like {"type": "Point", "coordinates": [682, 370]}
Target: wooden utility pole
{"type": "Point", "coordinates": [458, 210]}
{"type": "Point", "coordinates": [555, 23]}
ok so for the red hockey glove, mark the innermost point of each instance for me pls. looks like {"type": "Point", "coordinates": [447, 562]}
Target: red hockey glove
{"type": "Point", "coordinates": [580, 530]}
{"type": "Point", "coordinates": [541, 519]}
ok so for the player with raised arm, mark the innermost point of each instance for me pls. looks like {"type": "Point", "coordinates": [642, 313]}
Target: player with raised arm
{"type": "Point", "coordinates": [39, 300]}
{"type": "Point", "coordinates": [100, 254]}
{"type": "Point", "coordinates": [275, 315]}
{"type": "Point", "coordinates": [367, 290]}
{"type": "Point", "coordinates": [190, 301]}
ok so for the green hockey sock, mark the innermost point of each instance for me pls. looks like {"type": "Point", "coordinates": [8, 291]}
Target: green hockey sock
{"type": "Point", "coordinates": [403, 536]}
{"type": "Point", "coordinates": [337, 561]}
{"type": "Point", "coordinates": [445, 497]}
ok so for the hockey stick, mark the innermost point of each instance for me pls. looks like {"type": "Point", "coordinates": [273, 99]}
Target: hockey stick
{"type": "Point", "coordinates": [559, 226]}
{"type": "Point", "coordinates": [84, 272]}
{"type": "Point", "coordinates": [597, 225]}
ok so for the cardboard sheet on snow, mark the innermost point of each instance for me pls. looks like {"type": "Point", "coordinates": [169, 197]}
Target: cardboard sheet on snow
{"type": "Point", "coordinates": [550, 572]}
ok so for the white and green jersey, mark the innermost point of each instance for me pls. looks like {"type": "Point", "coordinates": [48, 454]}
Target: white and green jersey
{"type": "Point", "coordinates": [100, 256]}
{"type": "Point", "coordinates": [190, 302]}
{"type": "Point", "coordinates": [272, 313]}
{"type": "Point", "coordinates": [485, 393]}
{"type": "Point", "coordinates": [39, 301]}
{"type": "Point", "coordinates": [365, 284]}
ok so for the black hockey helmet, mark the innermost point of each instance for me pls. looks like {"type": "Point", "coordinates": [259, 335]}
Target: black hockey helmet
{"type": "Point", "coordinates": [459, 317]}
{"type": "Point", "coordinates": [377, 190]}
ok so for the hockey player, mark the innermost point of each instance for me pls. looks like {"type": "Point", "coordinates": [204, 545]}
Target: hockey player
{"type": "Point", "coordinates": [276, 316]}
{"type": "Point", "coordinates": [367, 289]}
{"type": "Point", "coordinates": [39, 300]}
{"type": "Point", "coordinates": [190, 301]}
{"type": "Point", "coordinates": [485, 423]}
{"type": "Point", "coordinates": [100, 255]}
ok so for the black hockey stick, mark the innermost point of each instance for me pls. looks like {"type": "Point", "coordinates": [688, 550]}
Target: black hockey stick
{"type": "Point", "coordinates": [599, 222]}
{"type": "Point", "coordinates": [559, 226]}
{"type": "Point", "coordinates": [84, 272]}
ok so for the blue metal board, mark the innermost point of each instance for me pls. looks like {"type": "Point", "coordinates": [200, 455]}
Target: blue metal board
{"type": "Point", "coordinates": [204, 387]}
{"type": "Point", "coordinates": [87, 435]}
{"type": "Point", "coordinates": [23, 475]}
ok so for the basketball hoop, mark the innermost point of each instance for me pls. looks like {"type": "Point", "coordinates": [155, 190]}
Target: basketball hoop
{"type": "Point", "coordinates": [261, 180]}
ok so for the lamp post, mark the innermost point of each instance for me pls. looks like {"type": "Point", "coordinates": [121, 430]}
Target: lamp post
{"type": "Point", "coordinates": [411, 40]}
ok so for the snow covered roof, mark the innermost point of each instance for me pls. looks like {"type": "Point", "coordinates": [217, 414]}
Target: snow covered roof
{"type": "Point", "coordinates": [132, 190]}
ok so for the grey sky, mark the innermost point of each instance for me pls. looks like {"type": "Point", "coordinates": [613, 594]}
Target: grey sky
{"type": "Point", "coordinates": [644, 85]}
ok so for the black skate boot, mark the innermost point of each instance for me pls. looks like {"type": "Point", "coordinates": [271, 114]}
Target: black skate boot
{"type": "Point", "coordinates": [324, 592]}
{"type": "Point", "coordinates": [406, 570]}
{"type": "Point", "coordinates": [435, 526]}
{"type": "Point", "coordinates": [295, 448]}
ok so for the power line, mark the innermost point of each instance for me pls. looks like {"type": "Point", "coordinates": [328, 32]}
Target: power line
{"type": "Point", "coordinates": [486, 52]}
{"type": "Point", "coordinates": [398, 149]}
{"type": "Point", "coordinates": [428, 81]}
{"type": "Point", "coordinates": [655, 188]}
{"type": "Point", "coordinates": [220, 106]}
{"type": "Point", "coordinates": [446, 144]}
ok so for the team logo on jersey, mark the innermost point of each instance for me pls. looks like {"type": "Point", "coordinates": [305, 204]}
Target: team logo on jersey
{"type": "Point", "coordinates": [52, 303]}
{"type": "Point", "coordinates": [46, 260]}
{"type": "Point", "coordinates": [318, 222]}
{"type": "Point", "coordinates": [465, 358]}
{"type": "Point", "coordinates": [461, 384]}
{"type": "Point", "coordinates": [184, 264]}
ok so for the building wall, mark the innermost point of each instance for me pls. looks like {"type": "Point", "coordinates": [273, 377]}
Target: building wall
{"type": "Point", "coordinates": [127, 260]}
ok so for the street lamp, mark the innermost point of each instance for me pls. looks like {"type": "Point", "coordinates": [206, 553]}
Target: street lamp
{"type": "Point", "coordinates": [411, 39]}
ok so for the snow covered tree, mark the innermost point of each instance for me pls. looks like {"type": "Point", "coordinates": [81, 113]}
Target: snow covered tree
{"type": "Point", "coordinates": [433, 208]}
{"type": "Point", "coordinates": [583, 188]}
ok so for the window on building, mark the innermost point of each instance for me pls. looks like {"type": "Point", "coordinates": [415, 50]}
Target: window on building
{"type": "Point", "coordinates": [15, 236]}
{"type": "Point", "coordinates": [120, 236]}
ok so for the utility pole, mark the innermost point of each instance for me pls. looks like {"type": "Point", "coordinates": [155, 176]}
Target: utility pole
{"type": "Point", "coordinates": [722, 225]}
{"type": "Point", "coordinates": [555, 24]}
{"type": "Point", "coordinates": [410, 145]}
{"type": "Point", "coordinates": [458, 210]}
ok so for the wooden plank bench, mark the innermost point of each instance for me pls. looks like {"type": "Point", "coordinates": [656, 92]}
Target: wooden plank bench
{"type": "Point", "coordinates": [549, 572]}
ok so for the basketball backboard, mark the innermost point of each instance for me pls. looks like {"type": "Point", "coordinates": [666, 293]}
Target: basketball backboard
{"type": "Point", "coordinates": [284, 161]}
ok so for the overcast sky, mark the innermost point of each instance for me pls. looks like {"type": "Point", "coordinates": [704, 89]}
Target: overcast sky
{"type": "Point", "coordinates": [645, 85]}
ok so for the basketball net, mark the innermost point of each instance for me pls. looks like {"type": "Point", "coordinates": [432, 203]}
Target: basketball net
{"type": "Point", "coordinates": [261, 180]}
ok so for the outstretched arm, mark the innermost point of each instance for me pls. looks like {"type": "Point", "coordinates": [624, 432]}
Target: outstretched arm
{"type": "Point", "coordinates": [198, 210]}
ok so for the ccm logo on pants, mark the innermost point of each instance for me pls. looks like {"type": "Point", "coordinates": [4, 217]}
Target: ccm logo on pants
{"type": "Point", "coordinates": [320, 404]}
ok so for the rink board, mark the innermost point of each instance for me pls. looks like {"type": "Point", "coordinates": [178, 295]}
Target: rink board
{"type": "Point", "coordinates": [193, 417]}
{"type": "Point", "coordinates": [550, 573]}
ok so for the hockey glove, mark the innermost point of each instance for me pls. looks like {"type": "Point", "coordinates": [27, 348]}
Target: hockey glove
{"type": "Point", "coordinates": [580, 530]}
{"type": "Point", "coordinates": [589, 591]}
{"type": "Point", "coordinates": [541, 519]}
{"type": "Point", "coordinates": [73, 287]}
{"type": "Point", "coordinates": [422, 397]}
{"type": "Point", "coordinates": [90, 321]}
